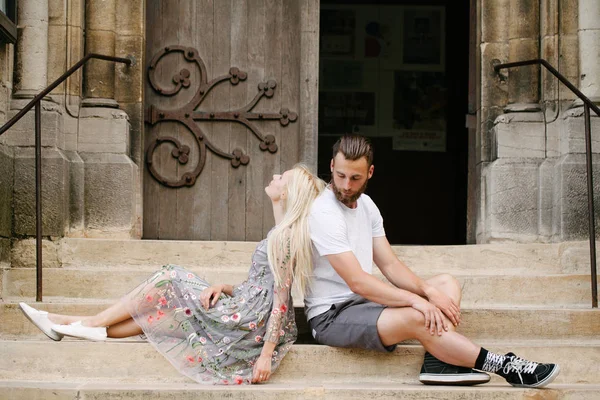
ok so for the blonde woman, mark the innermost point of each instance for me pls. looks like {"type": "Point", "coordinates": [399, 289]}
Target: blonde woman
{"type": "Point", "coordinates": [221, 333]}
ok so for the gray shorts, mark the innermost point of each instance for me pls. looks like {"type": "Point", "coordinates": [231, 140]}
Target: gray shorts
{"type": "Point", "coordinates": [352, 323]}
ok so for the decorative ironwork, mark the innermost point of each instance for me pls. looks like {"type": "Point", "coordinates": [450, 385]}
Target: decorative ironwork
{"type": "Point", "coordinates": [188, 114]}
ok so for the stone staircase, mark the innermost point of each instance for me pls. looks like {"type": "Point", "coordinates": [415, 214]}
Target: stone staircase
{"type": "Point", "coordinates": [532, 299]}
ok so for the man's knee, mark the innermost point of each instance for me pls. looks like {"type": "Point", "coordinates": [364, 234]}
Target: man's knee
{"type": "Point", "coordinates": [446, 280]}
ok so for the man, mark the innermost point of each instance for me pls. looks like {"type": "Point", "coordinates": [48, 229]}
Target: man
{"type": "Point", "coordinates": [347, 307]}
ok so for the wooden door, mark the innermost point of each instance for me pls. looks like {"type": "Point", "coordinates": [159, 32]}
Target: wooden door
{"type": "Point", "coordinates": [191, 125]}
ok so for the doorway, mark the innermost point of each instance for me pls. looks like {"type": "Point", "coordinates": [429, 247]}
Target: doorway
{"type": "Point", "coordinates": [397, 72]}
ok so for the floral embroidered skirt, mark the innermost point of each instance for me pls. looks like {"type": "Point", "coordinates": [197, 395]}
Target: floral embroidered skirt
{"type": "Point", "coordinates": [215, 346]}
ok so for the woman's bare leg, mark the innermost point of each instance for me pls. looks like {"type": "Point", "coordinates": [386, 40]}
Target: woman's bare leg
{"type": "Point", "coordinates": [108, 317]}
{"type": "Point", "coordinates": [124, 329]}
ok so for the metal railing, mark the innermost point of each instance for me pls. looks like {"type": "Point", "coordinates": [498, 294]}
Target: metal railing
{"type": "Point", "coordinates": [587, 104]}
{"type": "Point", "coordinates": [36, 102]}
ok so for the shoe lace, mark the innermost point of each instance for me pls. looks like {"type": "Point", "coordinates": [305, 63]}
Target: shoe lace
{"type": "Point", "coordinates": [519, 366]}
{"type": "Point", "coordinates": [493, 362]}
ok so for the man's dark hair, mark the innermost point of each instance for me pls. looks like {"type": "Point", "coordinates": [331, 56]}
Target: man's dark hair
{"type": "Point", "coordinates": [354, 147]}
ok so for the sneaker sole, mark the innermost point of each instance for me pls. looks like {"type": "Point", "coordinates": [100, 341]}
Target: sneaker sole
{"type": "Point", "coordinates": [453, 379]}
{"type": "Point", "coordinates": [544, 382]}
{"type": "Point", "coordinates": [52, 335]}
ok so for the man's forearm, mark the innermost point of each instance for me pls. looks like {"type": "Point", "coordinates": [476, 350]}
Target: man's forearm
{"type": "Point", "coordinates": [380, 292]}
{"type": "Point", "coordinates": [402, 277]}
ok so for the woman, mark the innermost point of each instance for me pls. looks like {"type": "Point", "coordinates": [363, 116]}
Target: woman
{"type": "Point", "coordinates": [217, 334]}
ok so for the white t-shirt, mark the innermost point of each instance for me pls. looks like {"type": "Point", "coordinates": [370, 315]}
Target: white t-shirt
{"type": "Point", "coordinates": [334, 229]}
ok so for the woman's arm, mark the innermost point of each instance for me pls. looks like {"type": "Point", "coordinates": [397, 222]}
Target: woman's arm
{"type": "Point", "coordinates": [211, 294]}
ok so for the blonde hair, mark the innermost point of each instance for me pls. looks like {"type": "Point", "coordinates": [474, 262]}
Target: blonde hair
{"type": "Point", "coordinates": [290, 239]}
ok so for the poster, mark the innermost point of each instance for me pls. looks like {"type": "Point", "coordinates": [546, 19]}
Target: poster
{"type": "Point", "coordinates": [337, 32]}
{"type": "Point", "coordinates": [339, 112]}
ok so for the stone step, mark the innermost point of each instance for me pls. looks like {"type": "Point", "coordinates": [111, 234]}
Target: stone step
{"type": "Point", "coordinates": [481, 291]}
{"type": "Point", "coordinates": [138, 362]}
{"type": "Point", "coordinates": [567, 257]}
{"type": "Point", "coordinates": [497, 324]}
{"type": "Point", "coordinates": [26, 390]}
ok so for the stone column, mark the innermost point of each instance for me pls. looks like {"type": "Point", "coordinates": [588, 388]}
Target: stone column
{"type": "Point", "coordinates": [589, 48]}
{"type": "Point", "coordinates": [99, 75]}
{"type": "Point", "coordinates": [31, 72]}
{"type": "Point", "coordinates": [524, 41]}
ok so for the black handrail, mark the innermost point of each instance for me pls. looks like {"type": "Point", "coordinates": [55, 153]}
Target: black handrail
{"type": "Point", "coordinates": [36, 102]}
{"type": "Point", "coordinates": [587, 104]}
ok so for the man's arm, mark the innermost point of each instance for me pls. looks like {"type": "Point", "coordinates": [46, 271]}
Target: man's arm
{"type": "Point", "coordinates": [402, 277]}
{"type": "Point", "coordinates": [366, 285]}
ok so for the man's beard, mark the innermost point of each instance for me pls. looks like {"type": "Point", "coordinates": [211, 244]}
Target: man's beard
{"type": "Point", "coordinates": [345, 199]}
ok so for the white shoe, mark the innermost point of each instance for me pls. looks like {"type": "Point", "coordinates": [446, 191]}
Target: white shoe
{"type": "Point", "coordinates": [40, 319]}
{"type": "Point", "coordinates": [83, 332]}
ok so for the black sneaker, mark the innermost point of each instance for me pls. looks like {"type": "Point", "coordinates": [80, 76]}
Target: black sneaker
{"type": "Point", "coordinates": [523, 373]}
{"type": "Point", "coordinates": [436, 372]}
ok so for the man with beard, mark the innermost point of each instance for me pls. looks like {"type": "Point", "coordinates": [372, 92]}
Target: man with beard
{"type": "Point", "coordinates": [347, 307]}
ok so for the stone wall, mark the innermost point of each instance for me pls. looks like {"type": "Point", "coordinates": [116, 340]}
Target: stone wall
{"type": "Point", "coordinates": [531, 140]}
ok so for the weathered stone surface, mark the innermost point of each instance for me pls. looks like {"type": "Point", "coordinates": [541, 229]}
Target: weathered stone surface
{"type": "Point", "coordinates": [99, 75]}
{"type": "Point", "coordinates": [23, 132]}
{"type": "Point", "coordinates": [589, 67]}
{"type": "Point", "coordinates": [130, 79]}
{"type": "Point", "coordinates": [76, 194]}
{"type": "Point", "coordinates": [57, 46]}
{"type": "Point", "coordinates": [494, 90]}
{"type": "Point", "coordinates": [103, 130]}
{"type": "Point", "coordinates": [545, 200]}
{"type": "Point", "coordinates": [520, 135]}
{"type": "Point", "coordinates": [523, 82]}
{"type": "Point", "coordinates": [55, 192]}
{"type": "Point", "coordinates": [570, 204]}
{"type": "Point", "coordinates": [569, 16]}
{"type": "Point", "coordinates": [130, 18]}
{"type": "Point", "coordinates": [572, 137]}
{"type": "Point", "coordinates": [569, 64]}
{"type": "Point", "coordinates": [23, 254]}
{"type": "Point", "coordinates": [110, 193]}
{"type": "Point", "coordinates": [31, 65]}
{"type": "Point", "coordinates": [4, 256]}
{"type": "Point", "coordinates": [101, 14]}
{"type": "Point", "coordinates": [494, 13]}
{"type": "Point", "coordinates": [512, 193]}
{"type": "Point", "coordinates": [6, 190]}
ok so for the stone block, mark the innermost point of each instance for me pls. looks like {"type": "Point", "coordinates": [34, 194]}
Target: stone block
{"type": "Point", "coordinates": [494, 13]}
{"type": "Point", "coordinates": [548, 20]}
{"type": "Point", "coordinates": [520, 135]}
{"type": "Point", "coordinates": [135, 112]}
{"type": "Point", "coordinates": [101, 14]}
{"type": "Point", "coordinates": [523, 82]}
{"type": "Point", "coordinates": [70, 126]}
{"type": "Point", "coordinates": [57, 47]}
{"type": "Point", "coordinates": [512, 194]}
{"type": "Point", "coordinates": [571, 204]}
{"type": "Point", "coordinates": [589, 68]}
{"type": "Point", "coordinates": [494, 90]}
{"type": "Point", "coordinates": [103, 130]}
{"type": "Point", "coordinates": [110, 194]}
{"type": "Point", "coordinates": [57, 12]}
{"type": "Point", "coordinates": [545, 199]}
{"type": "Point", "coordinates": [130, 79]}
{"type": "Point", "coordinates": [4, 256]}
{"type": "Point", "coordinates": [6, 190]}
{"type": "Point", "coordinates": [569, 16]}
{"type": "Point", "coordinates": [130, 18]}
{"type": "Point", "coordinates": [23, 132]}
{"type": "Point", "coordinates": [524, 19]}
{"type": "Point", "coordinates": [572, 137]}
{"type": "Point", "coordinates": [553, 128]}
{"type": "Point", "coordinates": [569, 63]}
{"type": "Point", "coordinates": [23, 254]}
{"type": "Point", "coordinates": [589, 14]}
{"type": "Point", "coordinates": [55, 192]}
{"type": "Point", "coordinates": [76, 194]}
{"type": "Point", "coordinates": [99, 75]}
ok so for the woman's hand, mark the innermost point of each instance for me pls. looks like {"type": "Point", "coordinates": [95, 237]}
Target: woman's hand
{"type": "Point", "coordinates": [434, 319]}
{"type": "Point", "coordinates": [262, 369]}
{"type": "Point", "coordinates": [210, 296]}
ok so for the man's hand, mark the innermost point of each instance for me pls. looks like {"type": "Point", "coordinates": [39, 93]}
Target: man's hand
{"type": "Point", "coordinates": [445, 304]}
{"type": "Point", "coordinates": [434, 320]}
{"type": "Point", "coordinates": [210, 296]}
{"type": "Point", "coordinates": [262, 369]}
